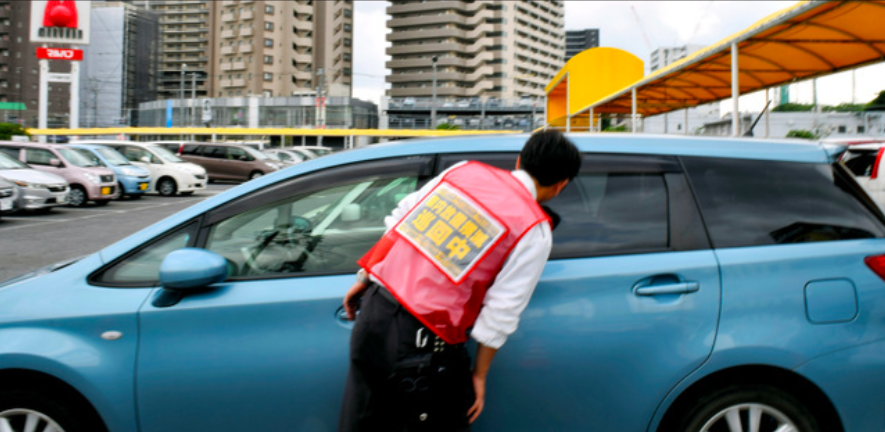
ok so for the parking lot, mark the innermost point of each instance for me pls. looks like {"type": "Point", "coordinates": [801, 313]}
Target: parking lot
{"type": "Point", "coordinates": [30, 241]}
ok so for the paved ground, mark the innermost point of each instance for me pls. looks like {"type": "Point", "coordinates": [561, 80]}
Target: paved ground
{"type": "Point", "coordinates": [30, 241]}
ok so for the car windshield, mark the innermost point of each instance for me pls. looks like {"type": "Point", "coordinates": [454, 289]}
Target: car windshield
{"type": "Point", "coordinates": [166, 155]}
{"type": "Point", "coordinates": [255, 153]}
{"type": "Point", "coordinates": [76, 158]}
{"type": "Point", "coordinates": [113, 157]}
{"type": "Point", "coordinates": [321, 151]}
{"type": "Point", "coordinates": [96, 161]}
{"type": "Point", "coordinates": [8, 163]}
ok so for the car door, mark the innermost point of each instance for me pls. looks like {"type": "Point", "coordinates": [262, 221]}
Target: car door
{"type": "Point", "coordinates": [627, 305]}
{"type": "Point", "coordinates": [268, 349]}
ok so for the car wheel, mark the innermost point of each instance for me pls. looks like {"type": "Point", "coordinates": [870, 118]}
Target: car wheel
{"type": "Point", "coordinates": [754, 407]}
{"type": "Point", "coordinates": [167, 187]}
{"type": "Point", "coordinates": [77, 197]}
{"type": "Point", "coordinates": [255, 175]}
{"type": "Point", "coordinates": [122, 191]}
{"type": "Point", "coordinates": [22, 411]}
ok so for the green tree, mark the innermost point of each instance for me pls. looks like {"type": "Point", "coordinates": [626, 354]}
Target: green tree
{"type": "Point", "coordinates": [877, 104]}
{"type": "Point", "coordinates": [7, 130]}
{"type": "Point", "coordinates": [801, 133]}
{"type": "Point", "coordinates": [845, 107]}
{"type": "Point", "coordinates": [793, 107]}
{"type": "Point", "coordinates": [620, 128]}
{"type": "Point", "coordinates": [447, 126]}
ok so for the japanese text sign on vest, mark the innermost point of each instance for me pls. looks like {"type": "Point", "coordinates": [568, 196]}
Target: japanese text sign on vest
{"type": "Point", "coordinates": [451, 230]}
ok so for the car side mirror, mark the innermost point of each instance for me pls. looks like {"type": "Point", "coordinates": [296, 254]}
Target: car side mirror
{"type": "Point", "coordinates": [192, 268]}
{"type": "Point", "coordinates": [351, 213]}
{"type": "Point", "coordinates": [55, 162]}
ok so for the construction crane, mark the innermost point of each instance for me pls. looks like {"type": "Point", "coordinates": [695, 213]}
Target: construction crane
{"type": "Point", "coordinates": [641, 27]}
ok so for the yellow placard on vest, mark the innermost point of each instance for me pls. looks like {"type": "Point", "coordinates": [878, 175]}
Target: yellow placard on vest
{"type": "Point", "coordinates": [451, 230]}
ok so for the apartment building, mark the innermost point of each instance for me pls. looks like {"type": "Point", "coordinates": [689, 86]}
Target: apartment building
{"type": "Point", "coordinates": [19, 71]}
{"type": "Point", "coordinates": [282, 48]}
{"type": "Point", "coordinates": [579, 40]}
{"type": "Point", "coordinates": [663, 56]}
{"type": "Point", "coordinates": [484, 49]}
{"type": "Point", "coordinates": [186, 32]}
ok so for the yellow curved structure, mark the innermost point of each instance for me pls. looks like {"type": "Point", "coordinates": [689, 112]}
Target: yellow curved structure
{"type": "Point", "coordinates": [588, 77]}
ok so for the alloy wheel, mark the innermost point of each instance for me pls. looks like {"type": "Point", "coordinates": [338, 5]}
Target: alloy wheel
{"type": "Point", "coordinates": [25, 420]}
{"type": "Point", "coordinates": [750, 417]}
{"type": "Point", "coordinates": [77, 197]}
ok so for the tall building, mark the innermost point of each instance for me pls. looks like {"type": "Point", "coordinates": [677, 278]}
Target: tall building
{"type": "Point", "coordinates": [663, 56]}
{"type": "Point", "coordinates": [119, 69]}
{"type": "Point", "coordinates": [579, 40]}
{"type": "Point", "coordinates": [19, 71]}
{"type": "Point", "coordinates": [484, 49]}
{"type": "Point", "coordinates": [283, 48]}
{"type": "Point", "coordinates": [186, 36]}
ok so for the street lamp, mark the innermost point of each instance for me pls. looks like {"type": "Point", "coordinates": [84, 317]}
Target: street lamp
{"type": "Point", "coordinates": [181, 90]}
{"type": "Point", "coordinates": [433, 101]}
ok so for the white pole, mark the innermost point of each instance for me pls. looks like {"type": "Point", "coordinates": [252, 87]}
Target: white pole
{"type": "Point", "coordinates": [633, 111]}
{"type": "Point", "coordinates": [43, 110]}
{"type": "Point", "coordinates": [590, 127]}
{"type": "Point", "coordinates": [75, 95]}
{"type": "Point", "coordinates": [685, 122]}
{"type": "Point", "coordinates": [735, 92]}
{"type": "Point", "coordinates": [766, 114]}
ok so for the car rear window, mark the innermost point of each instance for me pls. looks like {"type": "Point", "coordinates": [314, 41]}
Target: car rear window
{"type": "Point", "coordinates": [752, 202]}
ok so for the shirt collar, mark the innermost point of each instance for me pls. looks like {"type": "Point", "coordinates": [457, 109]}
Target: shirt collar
{"type": "Point", "coordinates": [527, 181]}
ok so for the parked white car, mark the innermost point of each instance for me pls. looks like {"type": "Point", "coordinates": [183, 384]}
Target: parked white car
{"type": "Point", "coordinates": [864, 159]}
{"type": "Point", "coordinates": [169, 173]}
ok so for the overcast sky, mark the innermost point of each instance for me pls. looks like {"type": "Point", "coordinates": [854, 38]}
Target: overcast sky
{"type": "Point", "coordinates": [664, 23]}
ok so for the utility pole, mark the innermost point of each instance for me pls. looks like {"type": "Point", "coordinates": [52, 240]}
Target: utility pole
{"type": "Point", "coordinates": [321, 102]}
{"type": "Point", "coordinates": [433, 100]}
{"type": "Point", "coordinates": [194, 99]}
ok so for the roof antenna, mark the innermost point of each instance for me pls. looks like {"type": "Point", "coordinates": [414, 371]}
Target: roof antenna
{"type": "Point", "coordinates": [749, 132]}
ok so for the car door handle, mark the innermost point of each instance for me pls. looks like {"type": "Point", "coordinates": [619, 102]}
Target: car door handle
{"type": "Point", "coordinates": [341, 317]}
{"type": "Point", "coordinates": [674, 288]}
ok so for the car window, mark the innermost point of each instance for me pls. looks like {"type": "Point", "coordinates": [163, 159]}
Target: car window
{"type": "Point", "coordinates": [190, 149]}
{"type": "Point", "coordinates": [750, 202]}
{"type": "Point", "coordinates": [166, 155]}
{"type": "Point", "coordinates": [11, 151]}
{"type": "Point", "coordinates": [113, 156]}
{"type": "Point", "coordinates": [617, 204]}
{"type": "Point", "coordinates": [138, 154]}
{"type": "Point", "coordinates": [35, 156]}
{"type": "Point", "coordinates": [93, 159]}
{"type": "Point", "coordinates": [860, 162]}
{"type": "Point", "coordinates": [79, 159]}
{"type": "Point", "coordinates": [9, 162]}
{"type": "Point", "coordinates": [234, 153]}
{"type": "Point", "coordinates": [142, 268]}
{"type": "Point", "coordinates": [215, 152]}
{"type": "Point", "coordinates": [325, 230]}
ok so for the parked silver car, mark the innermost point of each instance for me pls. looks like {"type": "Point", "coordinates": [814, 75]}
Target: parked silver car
{"type": "Point", "coordinates": [8, 194]}
{"type": "Point", "coordinates": [38, 190]}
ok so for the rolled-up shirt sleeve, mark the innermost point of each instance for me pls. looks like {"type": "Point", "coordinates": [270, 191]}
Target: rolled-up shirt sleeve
{"type": "Point", "coordinates": [513, 287]}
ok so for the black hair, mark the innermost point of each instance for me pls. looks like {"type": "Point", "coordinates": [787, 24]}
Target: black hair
{"type": "Point", "coordinates": [550, 157]}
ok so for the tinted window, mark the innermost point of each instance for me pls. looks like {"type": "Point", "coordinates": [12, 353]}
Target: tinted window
{"type": "Point", "coordinates": [215, 152]}
{"type": "Point", "coordinates": [618, 204]}
{"type": "Point", "coordinates": [138, 154]}
{"type": "Point", "coordinates": [12, 151]}
{"type": "Point", "coordinates": [189, 149]}
{"type": "Point", "coordinates": [749, 203]}
{"type": "Point", "coordinates": [238, 154]}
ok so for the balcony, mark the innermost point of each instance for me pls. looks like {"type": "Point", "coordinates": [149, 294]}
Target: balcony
{"type": "Point", "coordinates": [238, 83]}
{"type": "Point", "coordinates": [228, 3]}
{"type": "Point", "coordinates": [246, 32]}
{"type": "Point", "coordinates": [303, 25]}
{"type": "Point", "coordinates": [228, 34]}
{"type": "Point", "coordinates": [238, 66]}
{"type": "Point", "coordinates": [247, 15]}
{"type": "Point", "coordinates": [301, 75]}
{"type": "Point", "coordinates": [245, 49]}
{"type": "Point", "coordinates": [302, 58]}
{"type": "Point", "coordinates": [228, 17]}
{"type": "Point", "coordinates": [302, 8]}
{"type": "Point", "coordinates": [228, 50]}
{"type": "Point", "coordinates": [225, 83]}
{"type": "Point", "coordinates": [226, 67]}
{"type": "Point", "coordinates": [302, 42]}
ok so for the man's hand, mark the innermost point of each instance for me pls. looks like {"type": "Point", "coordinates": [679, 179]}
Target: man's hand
{"type": "Point", "coordinates": [352, 299]}
{"type": "Point", "coordinates": [479, 388]}
{"type": "Point", "coordinates": [484, 356]}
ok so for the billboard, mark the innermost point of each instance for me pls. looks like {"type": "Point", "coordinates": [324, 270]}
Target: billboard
{"type": "Point", "coordinates": [60, 21]}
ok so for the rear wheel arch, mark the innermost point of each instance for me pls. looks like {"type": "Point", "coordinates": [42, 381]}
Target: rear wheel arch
{"type": "Point", "coordinates": [29, 381]}
{"type": "Point", "coordinates": [790, 382]}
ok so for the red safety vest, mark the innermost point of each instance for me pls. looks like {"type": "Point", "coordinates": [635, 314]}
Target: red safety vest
{"type": "Point", "coordinates": [440, 259]}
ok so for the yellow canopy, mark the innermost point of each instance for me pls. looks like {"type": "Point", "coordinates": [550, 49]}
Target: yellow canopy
{"type": "Point", "coordinates": [386, 133]}
{"type": "Point", "coordinates": [809, 39]}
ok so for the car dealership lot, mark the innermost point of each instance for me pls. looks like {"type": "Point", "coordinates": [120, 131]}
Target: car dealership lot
{"type": "Point", "coordinates": [29, 240]}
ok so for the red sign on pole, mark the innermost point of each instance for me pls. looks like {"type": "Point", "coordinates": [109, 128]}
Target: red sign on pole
{"type": "Point", "coordinates": [59, 54]}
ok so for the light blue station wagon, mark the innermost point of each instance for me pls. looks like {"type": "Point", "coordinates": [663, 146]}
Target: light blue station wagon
{"type": "Point", "coordinates": [694, 285]}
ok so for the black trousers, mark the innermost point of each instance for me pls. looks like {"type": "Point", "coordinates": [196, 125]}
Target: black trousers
{"type": "Point", "coordinates": [402, 377]}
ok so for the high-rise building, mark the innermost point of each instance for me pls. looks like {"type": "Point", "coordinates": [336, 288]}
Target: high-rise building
{"type": "Point", "coordinates": [283, 48]}
{"type": "Point", "coordinates": [20, 71]}
{"type": "Point", "coordinates": [186, 35]}
{"type": "Point", "coordinates": [484, 48]}
{"type": "Point", "coordinates": [119, 68]}
{"type": "Point", "coordinates": [663, 56]}
{"type": "Point", "coordinates": [579, 40]}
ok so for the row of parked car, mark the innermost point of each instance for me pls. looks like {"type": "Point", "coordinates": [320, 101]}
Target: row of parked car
{"type": "Point", "coordinates": [37, 176]}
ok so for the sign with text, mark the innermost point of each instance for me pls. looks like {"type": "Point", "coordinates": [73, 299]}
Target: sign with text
{"type": "Point", "coordinates": [59, 77]}
{"type": "Point", "coordinates": [61, 21]}
{"type": "Point", "coordinates": [59, 54]}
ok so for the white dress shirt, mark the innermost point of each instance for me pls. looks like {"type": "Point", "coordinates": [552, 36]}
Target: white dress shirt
{"type": "Point", "coordinates": [513, 287]}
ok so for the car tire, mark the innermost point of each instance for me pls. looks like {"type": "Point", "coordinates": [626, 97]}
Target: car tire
{"type": "Point", "coordinates": [255, 174]}
{"type": "Point", "coordinates": [122, 191]}
{"type": "Point", "coordinates": [21, 407]}
{"type": "Point", "coordinates": [167, 187]}
{"type": "Point", "coordinates": [770, 406]}
{"type": "Point", "coordinates": [77, 197]}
